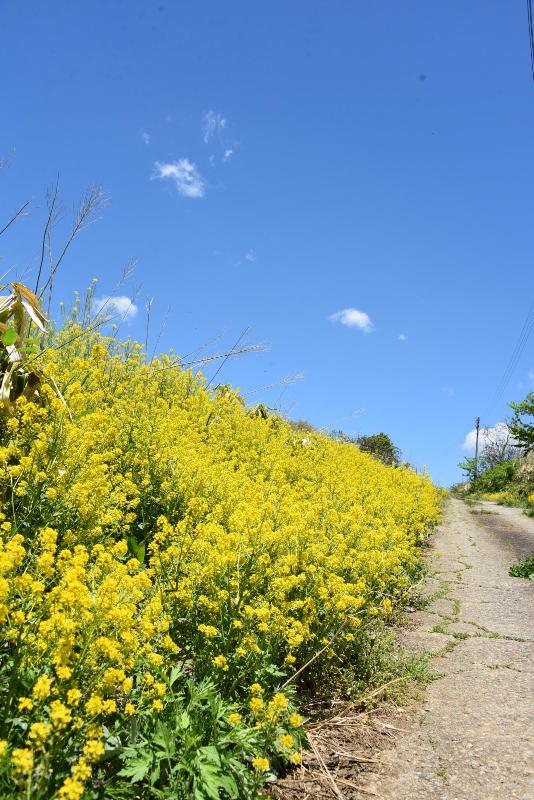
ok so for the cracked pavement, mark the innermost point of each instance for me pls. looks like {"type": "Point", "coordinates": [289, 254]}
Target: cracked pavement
{"type": "Point", "coordinates": [472, 737]}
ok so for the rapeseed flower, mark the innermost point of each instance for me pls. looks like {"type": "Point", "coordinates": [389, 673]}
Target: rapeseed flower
{"type": "Point", "coordinates": [159, 522]}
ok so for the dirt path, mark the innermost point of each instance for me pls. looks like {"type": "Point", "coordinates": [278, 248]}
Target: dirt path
{"type": "Point", "coordinates": [472, 738]}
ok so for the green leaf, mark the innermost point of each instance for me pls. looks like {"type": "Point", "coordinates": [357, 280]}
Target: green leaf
{"type": "Point", "coordinates": [175, 674]}
{"type": "Point", "coordinates": [210, 754]}
{"type": "Point", "coordinates": [184, 720]}
{"type": "Point", "coordinates": [9, 337]}
{"type": "Point", "coordinates": [137, 768]}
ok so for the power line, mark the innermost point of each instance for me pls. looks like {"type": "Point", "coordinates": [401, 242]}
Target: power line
{"type": "Point", "coordinates": [531, 34]}
{"type": "Point", "coordinates": [528, 324]}
{"type": "Point", "coordinates": [517, 352]}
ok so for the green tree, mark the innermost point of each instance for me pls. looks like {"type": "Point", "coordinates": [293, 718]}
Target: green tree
{"type": "Point", "coordinates": [469, 468]}
{"type": "Point", "coordinates": [380, 446]}
{"type": "Point", "coordinates": [521, 429]}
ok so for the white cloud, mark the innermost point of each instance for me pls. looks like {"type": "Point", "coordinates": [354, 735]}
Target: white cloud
{"type": "Point", "coordinates": [118, 305]}
{"type": "Point", "coordinates": [498, 433]}
{"type": "Point", "coordinates": [146, 138]}
{"type": "Point", "coordinates": [531, 374]}
{"type": "Point", "coordinates": [185, 174]}
{"type": "Point", "coordinates": [212, 126]}
{"type": "Point", "coordinates": [250, 255]}
{"type": "Point", "coordinates": [353, 318]}
{"type": "Point", "coordinates": [449, 391]}
{"type": "Point", "coordinates": [227, 155]}
{"type": "Point", "coordinates": [402, 337]}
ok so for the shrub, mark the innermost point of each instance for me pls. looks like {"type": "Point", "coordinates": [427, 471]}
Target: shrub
{"type": "Point", "coordinates": [497, 478]}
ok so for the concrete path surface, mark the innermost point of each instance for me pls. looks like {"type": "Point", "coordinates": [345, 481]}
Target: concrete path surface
{"type": "Point", "coordinates": [473, 736]}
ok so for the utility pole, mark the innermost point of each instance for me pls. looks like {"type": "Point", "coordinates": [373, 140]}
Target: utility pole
{"type": "Point", "coordinates": [477, 421]}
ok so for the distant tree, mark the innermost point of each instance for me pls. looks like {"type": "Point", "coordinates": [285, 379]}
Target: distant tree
{"type": "Point", "coordinates": [341, 436]}
{"type": "Point", "coordinates": [521, 430]}
{"type": "Point", "coordinates": [301, 425]}
{"type": "Point", "coordinates": [380, 446]}
{"type": "Point", "coordinates": [498, 445]}
{"type": "Point", "coordinates": [469, 468]}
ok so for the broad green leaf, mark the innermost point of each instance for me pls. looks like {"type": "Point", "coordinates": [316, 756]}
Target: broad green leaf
{"type": "Point", "coordinates": [9, 337]}
{"type": "Point", "coordinates": [137, 768]}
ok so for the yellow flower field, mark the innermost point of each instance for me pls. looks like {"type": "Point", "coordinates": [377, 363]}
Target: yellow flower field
{"type": "Point", "coordinates": [163, 545]}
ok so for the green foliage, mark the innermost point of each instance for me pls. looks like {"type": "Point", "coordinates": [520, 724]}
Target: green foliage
{"type": "Point", "coordinates": [520, 428]}
{"type": "Point", "coordinates": [381, 447]}
{"type": "Point", "coordinates": [193, 751]}
{"type": "Point", "coordinates": [497, 478]}
{"type": "Point", "coordinates": [523, 569]}
{"type": "Point", "coordinates": [469, 468]}
{"type": "Point", "coordinates": [378, 445]}
{"type": "Point", "coordinates": [197, 748]}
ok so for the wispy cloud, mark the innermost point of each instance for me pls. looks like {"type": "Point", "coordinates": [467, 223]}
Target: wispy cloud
{"type": "Point", "coordinates": [213, 125]}
{"type": "Point", "coordinates": [119, 305]}
{"type": "Point", "coordinates": [531, 374]}
{"type": "Point", "coordinates": [146, 138]}
{"type": "Point", "coordinates": [450, 391]}
{"type": "Point", "coordinates": [227, 155]}
{"type": "Point", "coordinates": [402, 337]}
{"type": "Point", "coordinates": [250, 255]}
{"type": "Point", "coordinates": [353, 318]}
{"type": "Point", "coordinates": [185, 174]}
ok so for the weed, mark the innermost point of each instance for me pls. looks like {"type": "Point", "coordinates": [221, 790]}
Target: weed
{"type": "Point", "coordinates": [523, 569]}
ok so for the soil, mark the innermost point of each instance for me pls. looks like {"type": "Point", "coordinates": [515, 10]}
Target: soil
{"type": "Point", "coordinates": [472, 736]}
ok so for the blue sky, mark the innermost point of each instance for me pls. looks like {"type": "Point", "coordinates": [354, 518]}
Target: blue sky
{"type": "Point", "coordinates": [274, 165]}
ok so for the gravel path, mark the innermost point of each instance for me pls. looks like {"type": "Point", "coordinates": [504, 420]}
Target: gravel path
{"type": "Point", "coordinates": [473, 736]}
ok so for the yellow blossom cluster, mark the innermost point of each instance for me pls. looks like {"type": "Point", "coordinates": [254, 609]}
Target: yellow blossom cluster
{"type": "Point", "coordinates": [146, 520]}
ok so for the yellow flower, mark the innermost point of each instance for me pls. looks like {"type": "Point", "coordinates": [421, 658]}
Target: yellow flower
{"type": "Point", "coordinates": [271, 536]}
{"type": "Point", "coordinates": [25, 704]}
{"type": "Point", "coordinates": [41, 688]}
{"type": "Point", "coordinates": [73, 697]}
{"type": "Point", "coordinates": [71, 789]}
{"type": "Point", "coordinates": [39, 732]}
{"type": "Point", "coordinates": [256, 705]}
{"type": "Point", "coordinates": [3, 747]}
{"type": "Point", "coordinates": [63, 673]}
{"type": "Point", "coordinates": [94, 705]}
{"type": "Point", "coordinates": [93, 750]}
{"type": "Point", "coordinates": [260, 764]}
{"type": "Point", "coordinates": [208, 630]}
{"type": "Point", "coordinates": [234, 718]}
{"type": "Point", "coordinates": [59, 714]}
{"type": "Point", "coordinates": [220, 662]}
{"type": "Point", "coordinates": [22, 760]}
{"type": "Point", "coordinates": [286, 741]}
{"type": "Point", "coordinates": [81, 770]}
{"type": "Point", "coordinates": [279, 702]}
